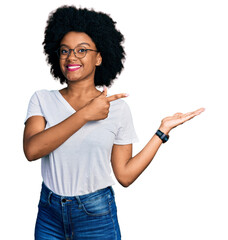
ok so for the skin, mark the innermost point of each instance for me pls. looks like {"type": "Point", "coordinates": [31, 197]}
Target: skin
{"type": "Point", "coordinates": [91, 105]}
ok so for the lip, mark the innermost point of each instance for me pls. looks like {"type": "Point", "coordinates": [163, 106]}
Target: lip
{"type": "Point", "coordinates": [72, 67]}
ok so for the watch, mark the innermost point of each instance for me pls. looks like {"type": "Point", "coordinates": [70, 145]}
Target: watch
{"type": "Point", "coordinates": [162, 136]}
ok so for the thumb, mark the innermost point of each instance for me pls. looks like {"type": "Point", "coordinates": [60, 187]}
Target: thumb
{"type": "Point", "coordinates": [105, 90]}
{"type": "Point", "coordinates": [178, 114]}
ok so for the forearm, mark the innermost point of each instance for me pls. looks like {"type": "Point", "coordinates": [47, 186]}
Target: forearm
{"type": "Point", "coordinates": [137, 164]}
{"type": "Point", "coordinates": [42, 143]}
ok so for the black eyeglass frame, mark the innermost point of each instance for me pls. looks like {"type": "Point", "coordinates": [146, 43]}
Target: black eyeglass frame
{"type": "Point", "coordinates": [70, 49]}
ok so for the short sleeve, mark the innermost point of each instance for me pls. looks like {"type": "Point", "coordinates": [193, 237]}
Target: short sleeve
{"type": "Point", "coordinates": [34, 108]}
{"type": "Point", "coordinates": [126, 132]}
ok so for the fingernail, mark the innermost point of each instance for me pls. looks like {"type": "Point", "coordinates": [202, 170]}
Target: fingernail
{"type": "Point", "coordinates": [104, 88]}
{"type": "Point", "coordinates": [126, 95]}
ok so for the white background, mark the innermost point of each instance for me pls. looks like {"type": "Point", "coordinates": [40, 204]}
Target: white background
{"type": "Point", "coordinates": [177, 58]}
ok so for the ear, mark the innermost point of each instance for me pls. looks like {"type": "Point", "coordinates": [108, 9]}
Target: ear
{"type": "Point", "coordinates": [99, 59]}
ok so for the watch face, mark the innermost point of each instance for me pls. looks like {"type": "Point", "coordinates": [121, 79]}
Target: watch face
{"type": "Point", "coordinates": [166, 138]}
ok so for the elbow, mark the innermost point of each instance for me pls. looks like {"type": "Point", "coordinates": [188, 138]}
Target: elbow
{"type": "Point", "coordinates": [125, 181]}
{"type": "Point", "coordinates": [125, 184]}
{"type": "Point", "coordinates": [124, 177]}
{"type": "Point", "coordinates": [30, 154]}
{"type": "Point", "coordinates": [30, 157]}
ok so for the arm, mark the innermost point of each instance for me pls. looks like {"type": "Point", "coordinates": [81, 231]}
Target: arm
{"type": "Point", "coordinates": [38, 142]}
{"type": "Point", "coordinates": [127, 168]}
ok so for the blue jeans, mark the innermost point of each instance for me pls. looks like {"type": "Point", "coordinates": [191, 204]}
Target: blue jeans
{"type": "Point", "coordinates": [91, 216]}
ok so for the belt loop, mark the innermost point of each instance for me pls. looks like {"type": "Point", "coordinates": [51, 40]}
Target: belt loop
{"type": "Point", "coordinates": [79, 201]}
{"type": "Point", "coordinates": [49, 197]}
{"type": "Point", "coordinates": [112, 190]}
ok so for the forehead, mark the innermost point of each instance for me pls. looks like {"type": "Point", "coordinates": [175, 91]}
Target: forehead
{"type": "Point", "coordinates": [73, 39]}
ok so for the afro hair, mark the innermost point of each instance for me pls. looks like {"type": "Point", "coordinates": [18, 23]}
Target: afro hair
{"type": "Point", "coordinates": [99, 27]}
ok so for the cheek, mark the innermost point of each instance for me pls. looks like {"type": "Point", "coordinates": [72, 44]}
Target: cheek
{"type": "Point", "coordinates": [62, 68]}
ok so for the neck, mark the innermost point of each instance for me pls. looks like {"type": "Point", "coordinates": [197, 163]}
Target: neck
{"type": "Point", "coordinates": [81, 89]}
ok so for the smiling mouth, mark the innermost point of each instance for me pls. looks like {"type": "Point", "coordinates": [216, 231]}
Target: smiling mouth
{"type": "Point", "coordinates": [73, 67]}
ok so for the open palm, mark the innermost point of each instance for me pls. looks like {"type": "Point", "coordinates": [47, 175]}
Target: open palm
{"type": "Point", "coordinates": [177, 119]}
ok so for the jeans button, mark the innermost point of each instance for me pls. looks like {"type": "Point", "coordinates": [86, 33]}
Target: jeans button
{"type": "Point", "coordinates": [64, 200]}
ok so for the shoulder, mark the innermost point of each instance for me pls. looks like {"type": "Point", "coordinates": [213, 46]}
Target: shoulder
{"type": "Point", "coordinates": [121, 104]}
{"type": "Point", "coordinates": [44, 93]}
{"type": "Point", "coordinates": [120, 108]}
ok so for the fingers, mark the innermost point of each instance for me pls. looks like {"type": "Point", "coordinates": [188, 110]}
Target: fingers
{"type": "Point", "coordinates": [113, 97]}
{"type": "Point", "coordinates": [117, 96]}
{"type": "Point", "coordinates": [195, 113]}
{"type": "Point", "coordinates": [200, 110]}
{"type": "Point", "coordinates": [179, 118]}
{"type": "Point", "coordinates": [190, 115]}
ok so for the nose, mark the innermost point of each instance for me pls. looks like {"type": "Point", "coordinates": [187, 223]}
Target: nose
{"type": "Point", "coordinates": [72, 54]}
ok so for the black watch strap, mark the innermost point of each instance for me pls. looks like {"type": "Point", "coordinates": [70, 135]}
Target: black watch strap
{"type": "Point", "coordinates": [162, 136]}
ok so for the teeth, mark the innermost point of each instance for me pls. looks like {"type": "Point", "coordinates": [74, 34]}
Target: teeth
{"type": "Point", "coordinates": [73, 67]}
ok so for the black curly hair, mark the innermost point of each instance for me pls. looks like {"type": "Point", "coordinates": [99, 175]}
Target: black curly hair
{"type": "Point", "coordinates": [101, 29]}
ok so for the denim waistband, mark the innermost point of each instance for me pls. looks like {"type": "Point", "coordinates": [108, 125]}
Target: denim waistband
{"type": "Point", "coordinates": [81, 198]}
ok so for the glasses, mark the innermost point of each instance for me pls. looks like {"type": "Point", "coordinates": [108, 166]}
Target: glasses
{"type": "Point", "coordinates": [80, 52]}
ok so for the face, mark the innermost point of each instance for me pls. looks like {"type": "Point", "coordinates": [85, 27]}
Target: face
{"type": "Point", "coordinates": [78, 69]}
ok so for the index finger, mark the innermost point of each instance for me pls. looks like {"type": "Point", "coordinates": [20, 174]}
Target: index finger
{"type": "Point", "coordinates": [117, 96]}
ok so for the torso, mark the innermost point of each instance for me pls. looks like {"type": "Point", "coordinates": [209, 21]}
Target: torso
{"type": "Point", "coordinates": [81, 165]}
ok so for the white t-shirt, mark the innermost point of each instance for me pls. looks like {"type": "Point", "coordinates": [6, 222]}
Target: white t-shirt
{"type": "Point", "coordinates": [81, 165]}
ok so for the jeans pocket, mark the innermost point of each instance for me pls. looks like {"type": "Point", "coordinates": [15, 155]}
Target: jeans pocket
{"type": "Point", "coordinates": [98, 206]}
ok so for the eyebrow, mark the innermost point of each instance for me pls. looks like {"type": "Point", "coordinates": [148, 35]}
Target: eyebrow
{"type": "Point", "coordinates": [83, 43]}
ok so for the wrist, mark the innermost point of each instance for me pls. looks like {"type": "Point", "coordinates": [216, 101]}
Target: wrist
{"type": "Point", "coordinates": [83, 114]}
{"type": "Point", "coordinates": [164, 129]}
{"type": "Point", "coordinates": [164, 137]}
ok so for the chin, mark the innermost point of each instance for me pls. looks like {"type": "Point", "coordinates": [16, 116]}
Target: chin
{"type": "Point", "coordinates": [71, 78]}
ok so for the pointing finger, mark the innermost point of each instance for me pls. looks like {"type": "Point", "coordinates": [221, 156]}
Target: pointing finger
{"type": "Point", "coordinates": [117, 96]}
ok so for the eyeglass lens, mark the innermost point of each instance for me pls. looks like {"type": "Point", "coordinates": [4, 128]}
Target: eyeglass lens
{"type": "Point", "coordinates": [64, 52]}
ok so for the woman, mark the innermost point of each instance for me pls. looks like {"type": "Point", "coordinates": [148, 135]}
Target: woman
{"type": "Point", "coordinates": [78, 130]}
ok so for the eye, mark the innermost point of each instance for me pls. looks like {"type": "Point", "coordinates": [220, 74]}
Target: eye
{"type": "Point", "coordinates": [64, 51]}
{"type": "Point", "coordinates": [81, 50]}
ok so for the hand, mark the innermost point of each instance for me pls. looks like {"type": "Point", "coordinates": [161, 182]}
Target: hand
{"type": "Point", "coordinates": [98, 108]}
{"type": "Point", "coordinates": [177, 119]}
